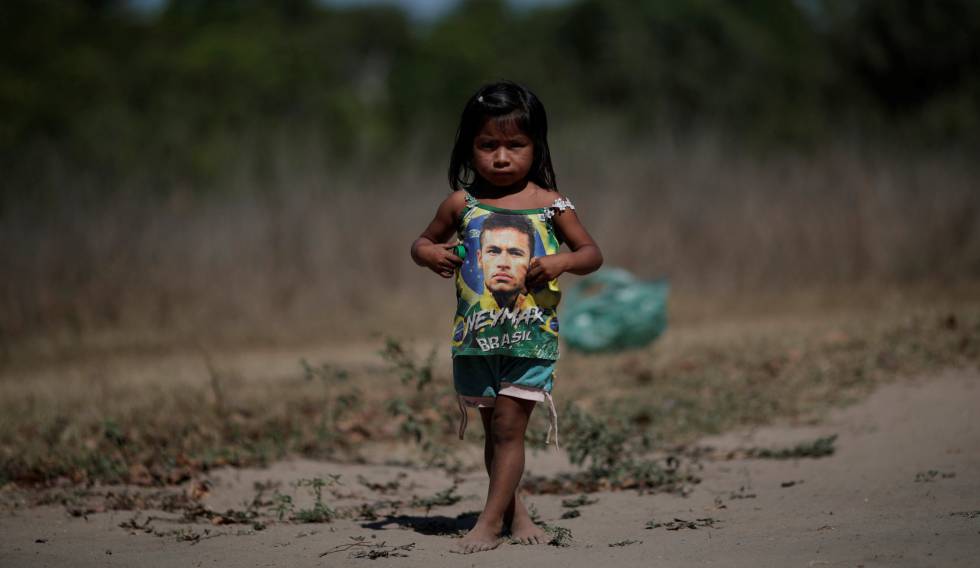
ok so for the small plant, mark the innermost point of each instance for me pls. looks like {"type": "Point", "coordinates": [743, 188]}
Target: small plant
{"type": "Point", "coordinates": [188, 535]}
{"type": "Point", "coordinates": [325, 372]}
{"type": "Point", "coordinates": [443, 498]}
{"type": "Point", "coordinates": [229, 517]}
{"type": "Point", "coordinates": [932, 475]}
{"type": "Point", "coordinates": [316, 484]}
{"type": "Point", "coordinates": [135, 524]}
{"type": "Point", "coordinates": [258, 500]}
{"type": "Point", "coordinates": [383, 551]}
{"type": "Point", "coordinates": [385, 488]}
{"type": "Point", "coordinates": [402, 361]}
{"type": "Point", "coordinates": [609, 452]}
{"type": "Point", "coordinates": [113, 433]}
{"type": "Point", "coordinates": [625, 542]}
{"type": "Point", "coordinates": [592, 440]}
{"type": "Point", "coordinates": [579, 501]}
{"type": "Point", "coordinates": [560, 536]}
{"type": "Point", "coordinates": [742, 493]}
{"type": "Point", "coordinates": [320, 512]}
{"type": "Point", "coordinates": [181, 534]}
{"type": "Point", "coordinates": [422, 418]}
{"type": "Point", "coordinates": [367, 511]}
{"type": "Point", "coordinates": [282, 505]}
{"type": "Point", "coordinates": [818, 448]}
{"type": "Point", "coordinates": [336, 403]}
{"type": "Point", "coordinates": [678, 524]}
{"type": "Point", "coordinates": [411, 426]}
{"type": "Point", "coordinates": [966, 514]}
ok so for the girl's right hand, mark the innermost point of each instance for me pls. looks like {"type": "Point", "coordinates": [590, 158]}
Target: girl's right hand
{"type": "Point", "coordinates": [440, 258]}
{"type": "Point", "coordinates": [428, 250]}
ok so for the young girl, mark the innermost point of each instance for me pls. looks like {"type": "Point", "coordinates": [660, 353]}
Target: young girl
{"type": "Point", "coordinates": [509, 217]}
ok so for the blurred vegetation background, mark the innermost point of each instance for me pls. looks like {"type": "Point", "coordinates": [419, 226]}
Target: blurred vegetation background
{"type": "Point", "coordinates": [242, 163]}
{"type": "Point", "coordinates": [175, 96]}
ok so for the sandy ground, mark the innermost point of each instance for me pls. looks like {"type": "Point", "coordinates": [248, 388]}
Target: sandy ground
{"type": "Point", "coordinates": [863, 506]}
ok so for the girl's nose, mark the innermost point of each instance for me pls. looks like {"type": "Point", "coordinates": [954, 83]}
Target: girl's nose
{"type": "Point", "coordinates": [500, 158]}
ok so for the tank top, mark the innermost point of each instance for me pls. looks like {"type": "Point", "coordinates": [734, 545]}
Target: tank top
{"type": "Point", "coordinates": [495, 313]}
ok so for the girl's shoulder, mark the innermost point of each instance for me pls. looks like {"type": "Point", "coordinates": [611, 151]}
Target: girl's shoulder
{"type": "Point", "coordinates": [542, 198]}
{"type": "Point", "coordinates": [454, 204]}
{"type": "Point", "coordinates": [553, 202]}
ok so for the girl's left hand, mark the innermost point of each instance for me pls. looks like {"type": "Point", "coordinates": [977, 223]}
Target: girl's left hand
{"type": "Point", "coordinates": [544, 269]}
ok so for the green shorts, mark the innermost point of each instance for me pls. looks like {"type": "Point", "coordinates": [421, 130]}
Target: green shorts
{"type": "Point", "coordinates": [479, 379]}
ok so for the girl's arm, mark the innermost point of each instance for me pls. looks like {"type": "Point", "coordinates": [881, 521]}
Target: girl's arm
{"type": "Point", "coordinates": [430, 249]}
{"type": "Point", "coordinates": [585, 256]}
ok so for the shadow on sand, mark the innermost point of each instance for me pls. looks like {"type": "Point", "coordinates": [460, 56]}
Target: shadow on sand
{"type": "Point", "coordinates": [431, 525]}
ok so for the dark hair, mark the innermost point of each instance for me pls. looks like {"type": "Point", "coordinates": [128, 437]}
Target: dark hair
{"type": "Point", "coordinates": [520, 223]}
{"type": "Point", "coordinates": [503, 101]}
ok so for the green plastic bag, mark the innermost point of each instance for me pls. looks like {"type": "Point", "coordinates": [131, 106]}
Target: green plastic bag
{"type": "Point", "coordinates": [611, 310]}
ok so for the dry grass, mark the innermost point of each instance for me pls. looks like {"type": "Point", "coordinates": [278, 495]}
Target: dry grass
{"type": "Point", "coordinates": [158, 420]}
{"type": "Point", "coordinates": [307, 252]}
{"type": "Point", "coordinates": [146, 340]}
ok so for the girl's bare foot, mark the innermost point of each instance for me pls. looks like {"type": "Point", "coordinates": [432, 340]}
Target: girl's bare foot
{"type": "Point", "coordinates": [523, 529]}
{"type": "Point", "coordinates": [481, 537]}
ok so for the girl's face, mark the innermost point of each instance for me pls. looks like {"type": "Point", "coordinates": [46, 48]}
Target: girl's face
{"type": "Point", "coordinates": [502, 153]}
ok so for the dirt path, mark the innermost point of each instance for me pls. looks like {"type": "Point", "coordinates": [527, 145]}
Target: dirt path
{"type": "Point", "coordinates": [903, 489]}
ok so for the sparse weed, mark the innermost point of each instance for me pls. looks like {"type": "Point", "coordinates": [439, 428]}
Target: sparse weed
{"type": "Point", "coordinates": [560, 536]}
{"type": "Point", "coordinates": [180, 534]}
{"type": "Point", "coordinates": [818, 448]}
{"type": "Point", "coordinates": [678, 524]}
{"type": "Point", "coordinates": [339, 399]}
{"type": "Point", "coordinates": [753, 379]}
{"type": "Point", "coordinates": [611, 453]}
{"type": "Point", "coordinates": [424, 417]}
{"type": "Point", "coordinates": [361, 548]}
{"type": "Point", "coordinates": [443, 498]}
{"type": "Point", "coordinates": [742, 493]}
{"type": "Point", "coordinates": [403, 362]}
{"type": "Point", "coordinates": [932, 475]}
{"type": "Point", "coordinates": [325, 372]}
{"type": "Point", "coordinates": [320, 512]}
{"type": "Point", "coordinates": [368, 511]}
{"type": "Point", "coordinates": [169, 435]}
{"type": "Point", "coordinates": [966, 514]}
{"type": "Point", "coordinates": [316, 484]}
{"type": "Point", "coordinates": [385, 488]}
{"type": "Point", "coordinates": [282, 505]}
{"type": "Point", "coordinates": [579, 501]}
